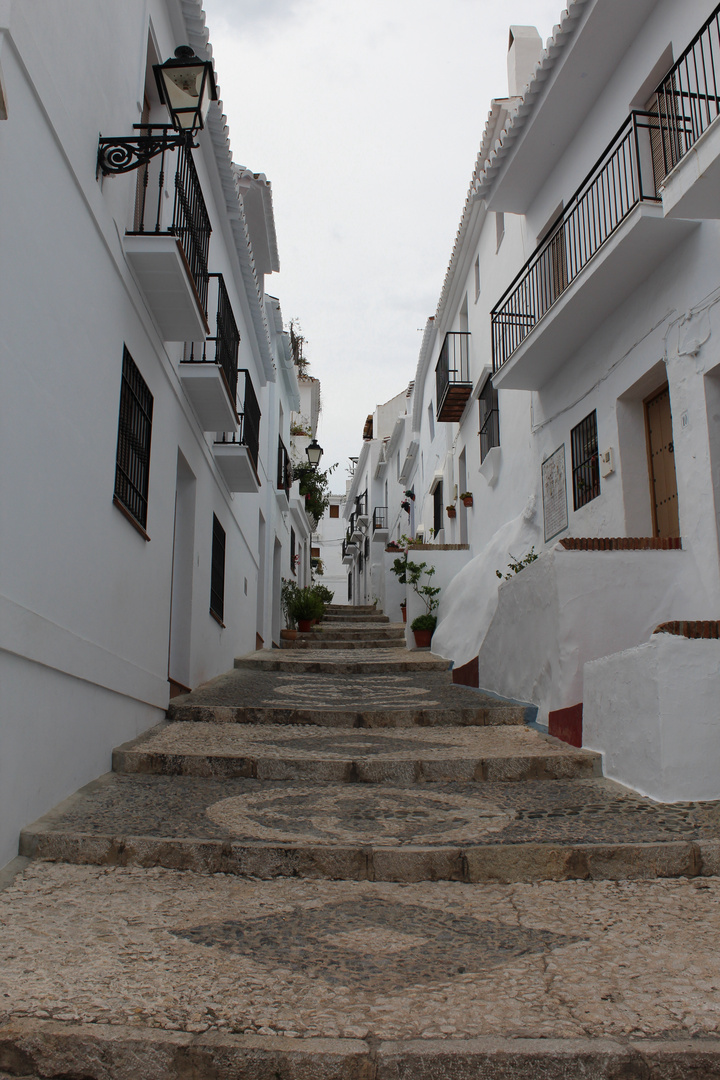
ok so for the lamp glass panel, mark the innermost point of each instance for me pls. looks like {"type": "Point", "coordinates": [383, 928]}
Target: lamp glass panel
{"type": "Point", "coordinates": [184, 87]}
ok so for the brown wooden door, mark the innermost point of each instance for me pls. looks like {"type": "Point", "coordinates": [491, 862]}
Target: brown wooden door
{"type": "Point", "coordinates": [661, 461]}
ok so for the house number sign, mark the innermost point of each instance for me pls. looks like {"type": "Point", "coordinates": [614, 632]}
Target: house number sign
{"type": "Point", "coordinates": [555, 510]}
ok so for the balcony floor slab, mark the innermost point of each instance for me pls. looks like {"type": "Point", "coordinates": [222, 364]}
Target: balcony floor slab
{"type": "Point", "coordinates": [206, 388]}
{"type": "Point", "coordinates": [236, 465]}
{"type": "Point", "coordinates": [160, 267]}
{"type": "Point", "coordinates": [692, 189]}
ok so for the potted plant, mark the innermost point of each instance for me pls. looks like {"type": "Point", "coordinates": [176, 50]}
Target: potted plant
{"type": "Point", "coordinates": [393, 546]}
{"type": "Point", "coordinates": [287, 591]}
{"type": "Point", "coordinates": [305, 606]}
{"type": "Point", "coordinates": [405, 505]}
{"type": "Point", "coordinates": [450, 511]}
{"type": "Point", "coordinates": [410, 495]}
{"type": "Point", "coordinates": [423, 627]}
{"type": "Point", "coordinates": [467, 498]}
{"type": "Point", "coordinates": [403, 609]}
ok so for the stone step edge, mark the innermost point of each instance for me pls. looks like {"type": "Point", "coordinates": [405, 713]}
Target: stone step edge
{"type": "Point", "coordinates": [410, 716]}
{"type": "Point", "coordinates": [327, 666]}
{"type": "Point", "coordinates": [51, 1049]}
{"type": "Point", "coordinates": [472, 864]}
{"type": "Point", "coordinates": [359, 770]}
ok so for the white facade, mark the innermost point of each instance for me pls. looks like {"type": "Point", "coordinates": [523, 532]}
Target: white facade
{"type": "Point", "coordinates": [583, 282]}
{"type": "Point", "coordinates": [97, 610]}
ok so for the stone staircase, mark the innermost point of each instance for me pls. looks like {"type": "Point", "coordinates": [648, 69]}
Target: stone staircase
{"type": "Point", "coordinates": [386, 877]}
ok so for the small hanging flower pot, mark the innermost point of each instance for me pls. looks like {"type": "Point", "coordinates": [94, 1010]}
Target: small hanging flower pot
{"type": "Point", "coordinates": [403, 608]}
{"type": "Point", "coordinates": [467, 498]}
{"type": "Point", "coordinates": [450, 511]}
{"type": "Point", "coordinates": [405, 505]}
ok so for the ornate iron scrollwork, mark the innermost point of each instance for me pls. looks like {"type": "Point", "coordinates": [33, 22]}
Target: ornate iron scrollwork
{"type": "Point", "coordinates": [117, 156]}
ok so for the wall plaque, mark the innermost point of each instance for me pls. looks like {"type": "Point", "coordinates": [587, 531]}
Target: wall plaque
{"type": "Point", "coordinates": [555, 509]}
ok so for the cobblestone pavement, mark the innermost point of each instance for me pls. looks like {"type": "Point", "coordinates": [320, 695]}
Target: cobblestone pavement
{"type": "Point", "coordinates": [340, 867]}
{"type": "Point", "coordinates": [189, 952]}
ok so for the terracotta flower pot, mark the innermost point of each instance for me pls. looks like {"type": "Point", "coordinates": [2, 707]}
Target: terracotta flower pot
{"type": "Point", "coordinates": [304, 626]}
{"type": "Point", "coordinates": [451, 511]}
{"type": "Point", "coordinates": [423, 638]}
{"type": "Point", "coordinates": [468, 502]}
{"type": "Point", "coordinates": [288, 635]}
{"type": "Point", "coordinates": [404, 613]}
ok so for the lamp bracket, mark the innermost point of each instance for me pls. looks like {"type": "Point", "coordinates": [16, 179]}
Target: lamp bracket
{"type": "Point", "coordinates": [122, 155]}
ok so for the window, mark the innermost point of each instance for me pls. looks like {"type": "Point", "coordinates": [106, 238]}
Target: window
{"type": "Point", "coordinates": [314, 552]}
{"type": "Point", "coordinates": [217, 572]}
{"type": "Point", "coordinates": [499, 230]}
{"type": "Point", "coordinates": [585, 464]}
{"type": "Point", "coordinates": [133, 447]}
{"type": "Point", "coordinates": [477, 277]}
{"type": "Point", "coordinates": [334, 510]}
{"type": "Point", "coordinates": [489, 419]}
{"type": "Point", "coordinates": [438, 508]}
{"type": "Point", "coordinates": [293, 550]}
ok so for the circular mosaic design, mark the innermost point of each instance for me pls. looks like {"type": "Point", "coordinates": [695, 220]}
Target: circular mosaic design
{"type": "Point", "coordinates": [371, 692]}
{"type": "Point", "coordinates": [332, 814]}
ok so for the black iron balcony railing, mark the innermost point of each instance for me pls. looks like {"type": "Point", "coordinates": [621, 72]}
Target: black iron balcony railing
{"type": "Point", "coordinates": [452, 376]}
{"type": "Point", "coordinates": [248, 433]}
{"type": "Point", "coordinates": [380, 518]}
{"type": "Point", "coordinates": [688, 98]}
{"type": "Point", "coordinates": [190, 221]}
{"type": "Point", "coordinates": [353, 523]}
{"type": "Point", "coordinates": [223, 348]}
{"type": "Point", "coordinates": [361, 504]}
{"type": "Point", "coordinates": [622, 177]}
{"type": "Point", "coordinates": [284, 469]}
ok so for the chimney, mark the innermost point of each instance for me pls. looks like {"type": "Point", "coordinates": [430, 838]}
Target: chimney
{"type": "Point", "coordinates": [524, 50]}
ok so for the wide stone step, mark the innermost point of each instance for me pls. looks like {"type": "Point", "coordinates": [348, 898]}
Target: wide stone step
{"type": "Point", "coordinates": [354, 620]}
{"type": "Point", "coordinates": [404, 699]}
{"type": "Point", "coordinates": [171, 976]}
{"type": "Point", "coordinates": [329, 641]}
{"type": "Point", "coordinates": [339, 755]}
{"type": "Point", "coordinates": [352, 609]}
{"type": "Point", "coordinates": [384, 661]}
{"type": "Point", "coordinates": [538, 830]}
{"type": "Point", "coordinates": [394, 631]}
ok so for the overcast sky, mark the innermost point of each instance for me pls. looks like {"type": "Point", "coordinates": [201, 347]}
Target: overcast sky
{"type": "Point", "coordinates": [366, 116]}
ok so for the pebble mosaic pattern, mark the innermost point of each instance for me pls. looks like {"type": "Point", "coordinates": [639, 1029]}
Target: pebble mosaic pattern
{"type": "Point", "coordinates": [158, 948]}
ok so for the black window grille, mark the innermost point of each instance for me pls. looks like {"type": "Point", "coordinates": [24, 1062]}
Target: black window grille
{"type": "Point", "coordinates": [133, 447]}
{"type": "Point", "coordinates": [293, 551]}
{"type": "Point", "coordinates": [349, 586]}
{"type": "Point", "coordinates": [217, 571]}
{"type": "Point", "coordinates": [489, 419]}
{"type": "Point", "coordinates": [438, 508]}
{"type": "Point", "coordinates": [585, 463]}
{"type": "Point", "coordinates": [367, 547]}
{"type": "Point", "coordinates": [380, 518]}
{"type": "Point", "coordinates": [284, 469]}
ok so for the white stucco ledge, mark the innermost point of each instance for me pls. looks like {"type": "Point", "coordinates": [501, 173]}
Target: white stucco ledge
{"type": "Point", "coordinates": [653, 712]}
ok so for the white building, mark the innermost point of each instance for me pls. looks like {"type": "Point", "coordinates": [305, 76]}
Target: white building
{"type": "Point", "coordinates": [570, 381]}
{"type": "Point", "coordinates": [146, 390]}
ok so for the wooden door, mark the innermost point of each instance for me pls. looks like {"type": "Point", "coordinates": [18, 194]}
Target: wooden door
{"type": "Point", "coordinates": [661, 462]}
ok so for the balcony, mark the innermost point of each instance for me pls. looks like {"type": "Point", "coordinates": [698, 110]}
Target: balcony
{"type": "Point", "coordinates": [452, 376]}
{"type": "Point", "coordinates": [361, 511]}
{"type": "Point", "coordinates": [237, 454]}
{"type": "Point", "coordinates": [209, 373]}
{"type": "Point", "coordinates": [380, 523]}
{"type": "Point", "coordinates": [168, 245]}
{"type": "Point", "coordinates": [349, 551]}
{"type": "Point", "coordinates": [283, 480]}
{"type": "Point", "coordinates": [688, 144]}
{"type": "Point", "coordinates": [610, 237]}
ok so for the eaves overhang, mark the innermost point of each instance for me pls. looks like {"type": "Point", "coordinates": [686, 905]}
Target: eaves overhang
{"type": "Point", "coordinates": [216, 125]}
{"type": "Point", "coordinates": [578, 62]}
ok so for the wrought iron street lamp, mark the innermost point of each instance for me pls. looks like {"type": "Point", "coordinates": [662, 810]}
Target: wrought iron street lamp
{"type": "Point", "coordinates": [314, 452]}
{"type": "Point", "coordinates": [186, 85]}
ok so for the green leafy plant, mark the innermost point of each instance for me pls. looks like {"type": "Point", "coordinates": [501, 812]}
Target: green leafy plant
{"type": "Point", "coordinates": [287, 593]}
{"type": "Point", "coordinates": [324, 593]}
{"type": "Point", "coordinates": [314, 487]}
{"type": "Point", "coordinates": [305, 604]}
{"type": "Point", "coordinates": [424, 622]}
{"type": "Point", "coordinates": [516, 565]}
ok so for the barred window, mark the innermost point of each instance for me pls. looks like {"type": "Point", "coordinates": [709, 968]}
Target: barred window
{"type": "Point", "coordinates": [217, 571]}
{"type": "Point", "coordinates": [585, 463]}
{"type": "Point", "coordinates": [293, 550]}
{"type": "Point", "coordinates": [438, 508]}
{"type": "Point", "coordinates": [489, 419]}
{"type": "Point", "coordinates": [132, 466]}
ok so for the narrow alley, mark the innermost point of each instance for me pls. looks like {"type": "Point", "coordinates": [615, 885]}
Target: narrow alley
{"type": "Point", "coordinates": [333, 863]}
